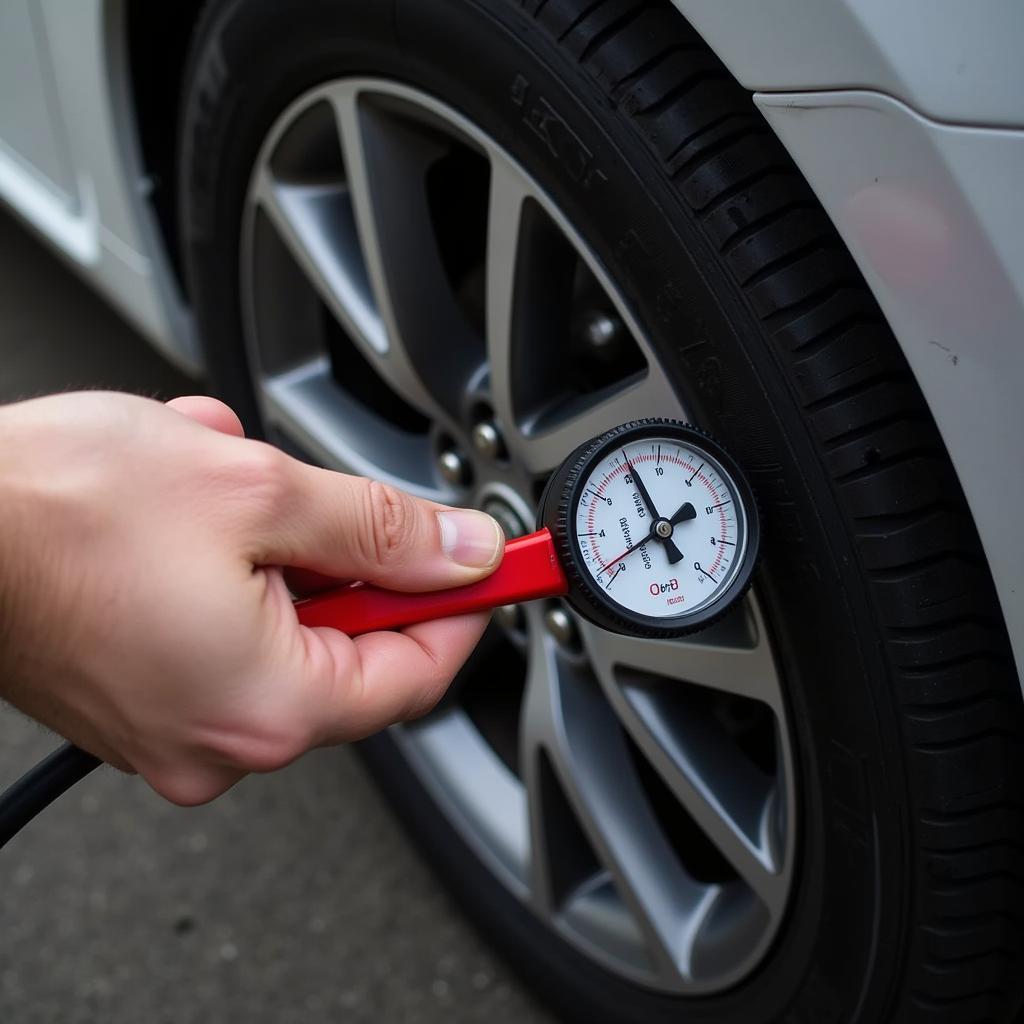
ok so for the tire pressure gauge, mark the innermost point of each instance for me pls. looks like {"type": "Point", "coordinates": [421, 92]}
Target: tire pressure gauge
{"type": "Point", "coordinates": [655, 527]}
{"type": "Point", "coordinates": [649, 529]}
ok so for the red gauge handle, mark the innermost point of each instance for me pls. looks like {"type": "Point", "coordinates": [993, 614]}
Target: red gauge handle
{"type": "Point", "coordinates": [528, 570]}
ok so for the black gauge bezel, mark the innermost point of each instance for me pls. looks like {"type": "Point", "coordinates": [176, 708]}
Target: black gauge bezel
{"type": "Point", "coordinates": [557, 512]}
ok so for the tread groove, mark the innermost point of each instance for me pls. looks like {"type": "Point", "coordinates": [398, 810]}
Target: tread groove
{"type": "Point", "coordinates": [741, 185]}
{"type": "Point", "coordinates": [855, 434]}
{"type": "Point", "coordinates": [854, 390]}
{"type": "Point", "coordinates": [693, 137]}
{"type": "Point", "coordinates": [973, 847]}
{"type": "Point", "coordinates": [936, 559]}
{"type": "Point", "coordinates": [936, 629]}
{"type": "Point", "coordinates": [934, 1002]}
{"type": "Point", "coordinates": [953, 704]}
{"type": "Point", "coordinates": [767, 220]}
{"type": "Point", "coordinates": [600, 38]}
{"type": "Point", "coordinates": [945, 816]}
{"type": "Point", "coordinates": [580, 18]}
{"type": "Point", "coordinates": [788, 313]}
{"type": "Point", "coordinates": [941, 962]}
{"type": "Point", "coordinates": [962, 743]}
{"type": "Point", "coordinates": [648, 65]}
{"type": "Point", "coordinates": [868, 471]}
{"type": "Point", "coordinates": [961, 661]}
{"type": "Point", "coordinates": [898, 519]}
{"type": "Point", "coordinates": [691, 164]}
{"type": "Point", "coordinates": [677, 92]}
{"type": "Point", "coordinates": [787, 260]}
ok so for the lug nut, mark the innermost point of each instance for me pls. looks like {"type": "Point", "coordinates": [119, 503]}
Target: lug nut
{"type": "Point", "coordinates": [601, 330]}
{"type": "Point", "coordinates": [453, 467]}
{"type": "Point", "coordinates": [560, 625]}
{"type": "Point", "coordinates": [488, 441]}
{"type": "Point", "coordinates": [509, 616]}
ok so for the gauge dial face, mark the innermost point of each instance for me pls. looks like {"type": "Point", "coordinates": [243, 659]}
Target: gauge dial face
{"type": "Point", "coordinates": [660, 527]}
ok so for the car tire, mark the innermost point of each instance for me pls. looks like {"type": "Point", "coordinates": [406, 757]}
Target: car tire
{"type": "Point", "coordinates": [905, 704]}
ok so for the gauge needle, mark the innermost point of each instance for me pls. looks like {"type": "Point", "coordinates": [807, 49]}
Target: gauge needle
{"type": "Point", "coordinates": [673, 552]}
{"type": "Point", "coordinates": [639, 544]}
{"type": "Point", "coordinates": [644, 493]}
{"type": "Point", "coordinates": [618, 558]}
{"type": "Point", "coordinates": [685, 512]}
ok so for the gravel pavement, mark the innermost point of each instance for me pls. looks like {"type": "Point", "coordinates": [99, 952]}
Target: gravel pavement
{"type": "Point", "coordinates": [295, 898]}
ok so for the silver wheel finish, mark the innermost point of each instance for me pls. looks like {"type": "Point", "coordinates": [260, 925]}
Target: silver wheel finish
{"type": "Point", "coordinates": [634, 752]}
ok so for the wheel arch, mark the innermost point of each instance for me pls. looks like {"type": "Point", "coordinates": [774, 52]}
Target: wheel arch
{"type": "Point", "coordinates": [156, 39]}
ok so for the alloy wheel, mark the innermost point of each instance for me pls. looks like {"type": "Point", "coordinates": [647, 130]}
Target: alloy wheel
{"type": "Point", "coordinates": [418, 310]}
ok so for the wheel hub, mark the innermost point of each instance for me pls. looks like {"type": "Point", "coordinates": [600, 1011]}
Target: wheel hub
{"type": "Point", "coordinates": [511, 522]}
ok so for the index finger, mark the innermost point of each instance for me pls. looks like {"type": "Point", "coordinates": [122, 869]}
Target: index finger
{"type": "Point", "coordinates": [388, 677]}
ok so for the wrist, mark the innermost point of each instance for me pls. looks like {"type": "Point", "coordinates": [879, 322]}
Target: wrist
{"type": "Point", "coordinates": [16, 504]}
{"type": "Point", "coordinates": [8, 518]}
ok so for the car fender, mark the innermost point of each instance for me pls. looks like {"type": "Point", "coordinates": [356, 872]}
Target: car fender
{"type": "Point", "coordinates": [930, 209]}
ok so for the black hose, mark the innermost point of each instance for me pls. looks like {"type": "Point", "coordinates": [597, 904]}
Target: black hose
{"type": "Point", "coordinates": [40, 786]}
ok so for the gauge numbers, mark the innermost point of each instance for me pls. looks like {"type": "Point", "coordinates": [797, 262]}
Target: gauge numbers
{"type": "Point", "coordinates": [660, 527]}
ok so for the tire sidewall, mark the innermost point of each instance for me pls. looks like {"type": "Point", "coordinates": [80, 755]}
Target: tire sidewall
{"type": "Point", "coordinates": [499, 69]}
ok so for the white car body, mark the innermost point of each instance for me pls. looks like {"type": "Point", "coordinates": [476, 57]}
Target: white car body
{"type": "Point", "coordinates": [907, 120]}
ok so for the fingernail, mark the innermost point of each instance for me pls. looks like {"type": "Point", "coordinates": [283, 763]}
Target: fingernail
{"type": "Point", "coordinates": [470, 538]}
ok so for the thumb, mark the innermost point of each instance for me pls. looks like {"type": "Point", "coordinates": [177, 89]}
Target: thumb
{"type": "Point", "coordinates": [351, 528]}
{"type": "Point", "coordinates": [210, 412]}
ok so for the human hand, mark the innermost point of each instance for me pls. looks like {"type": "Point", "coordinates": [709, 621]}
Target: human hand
{"type": "Point", "coordinates": [143, 613]}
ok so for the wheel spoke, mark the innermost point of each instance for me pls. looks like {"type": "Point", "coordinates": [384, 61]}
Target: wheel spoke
{"type": "Point", "coordinates": [734, 803]}
{"type": "Point", "coordinates": [324, 226]}
{"type": "Point", "coordinates": [315, 223]}
{"type": "Point", "coordinates": [431, 351]}
{"type": "Point", "coordinates": [337, 431]}
{"type": "Point", "coordinates": [504, 222]}
{"type": "Point", "coordinates": [542, 447]}
{"type": "Point", "coordinates": [527, 278]}
{"type": "Point", "coordinates": [733, 656]}
{"type": "Point", "coordinates": [567, 721]}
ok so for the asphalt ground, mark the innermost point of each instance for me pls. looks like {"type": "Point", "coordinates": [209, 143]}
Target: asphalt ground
{"type": "Point", "coordinates": [294, 898]}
